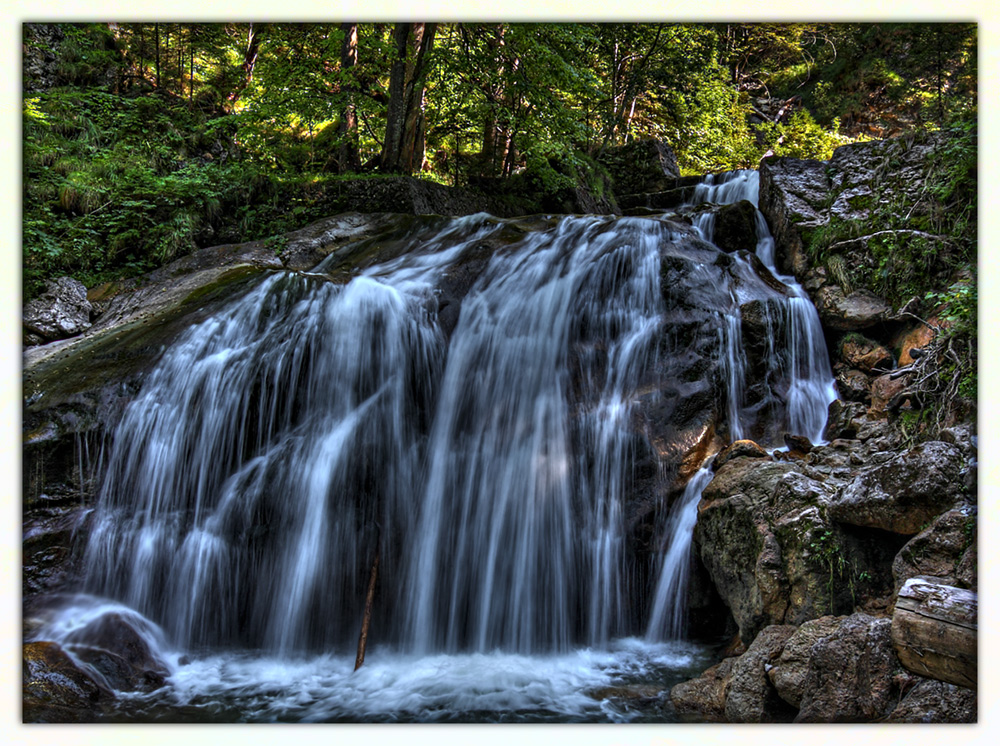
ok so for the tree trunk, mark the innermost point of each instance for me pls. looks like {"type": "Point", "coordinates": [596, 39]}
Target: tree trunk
{"type": "Point", "coordinates": [156, 32]}
{"type": "Point", "coordinates": [191, 69]}
{"type": "Point", "coordinates": [489, 149]}
{"type": "Point", "coordinates": [253, 48]}
{"type": "Point", "coordinates": [350, 159]}
{"type": "Point", "coordinates": [254, 36]}
{"type": "Point", "coordinates": [406, 89]}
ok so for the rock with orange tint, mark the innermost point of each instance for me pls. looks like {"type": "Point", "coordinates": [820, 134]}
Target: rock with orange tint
{"type": "Point", "coordinates": [884, 388]}
{"type": "Point", "coordinates": [914, 337]}
{"type": "Point", "coordinates": [865, 354]}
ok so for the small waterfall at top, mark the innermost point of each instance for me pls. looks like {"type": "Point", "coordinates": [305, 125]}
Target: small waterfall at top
{"type": "Point", "coordinates": [497, 470]}
{"type": "Point", "coordinates": [803, 355]}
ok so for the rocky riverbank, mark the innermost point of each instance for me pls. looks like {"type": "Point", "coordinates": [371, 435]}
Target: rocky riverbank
{"type": "Point", "coordinates": [811, 548]}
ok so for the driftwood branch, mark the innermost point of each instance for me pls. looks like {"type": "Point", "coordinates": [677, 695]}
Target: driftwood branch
{"type": "Point", "coordinates": [369, 600]}
{"type": "Point", "coordinates": [898, 232]}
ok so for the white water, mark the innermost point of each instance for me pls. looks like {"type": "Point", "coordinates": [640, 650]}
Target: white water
{"type": "Point", "coordinates": [505, 453]}
{"type": "Point", "coordinates": [803, 356]}
{"type": "Point", "coordinates": [810, 390]}
{"type": "Point", "coordinates": [669, 618]}
{"type": "Point", "coordinates": [281, 443]}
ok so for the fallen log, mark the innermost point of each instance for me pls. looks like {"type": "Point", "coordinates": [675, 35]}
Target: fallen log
{"type": "Point", "coordinates": [935, 629]}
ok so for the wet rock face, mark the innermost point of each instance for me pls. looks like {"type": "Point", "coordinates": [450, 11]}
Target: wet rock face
{"type": "Point", "coordinates": [56, 690]}
{"type": "Point", "coordinates": [50, 551]}
{"type": "Point", "coordinates": [735, 227]}
{"type": "Point", "coordinates": [793, 195]}
{"type": "Point", "coordinates": [61, 311]}
{"type": "Point", "coordinates": [904, 494]}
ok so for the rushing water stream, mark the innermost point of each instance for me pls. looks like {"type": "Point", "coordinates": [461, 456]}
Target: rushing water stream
{"type": "Point", "coordinates": [283, 444]}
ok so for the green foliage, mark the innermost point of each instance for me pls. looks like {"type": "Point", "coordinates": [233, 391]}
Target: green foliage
{"type": "Point", "coordinates": [828, 554]}
{"type": "Point", "coordinates": [803, 137]}
{"type": "Point", "coordinates": [111, 187]}
{"type": "Point", "coordinates": [168, 136]}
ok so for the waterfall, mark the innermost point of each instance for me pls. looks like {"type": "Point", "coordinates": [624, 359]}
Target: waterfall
{"type": "Point", "coordinates": [668, 619]}
{"type": "Point", "coordinates": [498, 559]}
{"type": "Point", "coordinates": [803, 356]}
{"type": "Point", "coordinates": [492, 464]}
{"type": "Point", "coordinates": [263, 451]}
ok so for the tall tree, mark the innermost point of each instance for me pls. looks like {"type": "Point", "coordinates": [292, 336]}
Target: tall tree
{"type": "Point", "coordinates": [350, 159]}
{"type": "Point", "coordinates": [404, 116]}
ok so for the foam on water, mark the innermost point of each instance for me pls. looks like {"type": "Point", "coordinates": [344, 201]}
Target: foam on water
{"type": "Point", "coordinates": [577, 686]}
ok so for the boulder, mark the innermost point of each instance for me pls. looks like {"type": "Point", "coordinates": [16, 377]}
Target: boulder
{"type": "Point", "coordinates": [853, 385]}
{"type": "Point", "coordinates": [735, 227]}
{"type": "Point", "coordinates": [798, 443]}
{"type": "Point", "coordinates": [852, 674]}
{"type": "Point", "coordinates": [789, 670]}
{"type": "Point", "coordinates": [641, 166]}
{"type": "Point", "coordinates": [844, 419]}
{"type": "Point", "coordinates": [798, 197]}
{"type": "Point", "coordinates": [913, 337]}
{"type": "Point", "coordinates": [56, 689]}
{"type": "Point", "coordinates": [61, 311]}
{"type": "Point", "coordinates": [933, 701]}
{"type": "Point", "coordinates": [704, 699]}
{"type": "Point", "coordinates": [883, 390]}
{"type": "Point", "coordinates": [793, 197]}
{"type": "Point", "coordinates": [772, 553]}
{"type": "Point", "coordinates": [750, 696]}
{"type": "Point", "coordinates": [904, 494]}
{"type": "Point", "coordinates": [935, 631]}
{"type": "Point", "coordinates": [865, 354]}
{"type": "Point", "coordinates": [120, 652]}
{"type": "Point", "coordinates": [847, 312]}
{"type": "Point", "coordinates": [654, 203]}
{"type": "Point", "coordinates": [736, 449]}
{"type": "Point", "coordinates": [743, 559]}
{"type": "Point", "coordinates": [939, 550]}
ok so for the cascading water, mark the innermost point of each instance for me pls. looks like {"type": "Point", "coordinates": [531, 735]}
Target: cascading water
{"type": "Point", "coordinates": [514, 464]}
{"type": "Point", "coordinates": [282, 444]}
{"type": "Point", "coordinates": [668, 620]}
{"type": "Point", "coordinates": [810, 388]}
{"type": "Point", "coordinates": [802, 357]}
